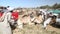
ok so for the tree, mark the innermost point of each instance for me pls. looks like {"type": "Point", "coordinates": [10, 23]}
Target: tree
{"type": "Point", "coordinates": [44, 7]}
{"type": "Point", "coordinates": [56, 6]}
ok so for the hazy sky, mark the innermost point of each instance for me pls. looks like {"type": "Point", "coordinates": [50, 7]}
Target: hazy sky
{"type": "Point", "coordinates": [27, 3]}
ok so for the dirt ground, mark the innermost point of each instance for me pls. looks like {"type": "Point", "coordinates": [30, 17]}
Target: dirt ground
{"type": "Point", "coordinates": [37, 29]}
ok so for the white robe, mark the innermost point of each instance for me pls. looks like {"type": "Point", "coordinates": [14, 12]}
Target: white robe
{"type": "Point", "coordinates": [4, 26]}
{"type": "Point", "coordinates": [47, 22]}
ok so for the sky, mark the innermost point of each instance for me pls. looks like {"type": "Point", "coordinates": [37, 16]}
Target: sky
{"type": "Point", "coordinates": [27, 3]}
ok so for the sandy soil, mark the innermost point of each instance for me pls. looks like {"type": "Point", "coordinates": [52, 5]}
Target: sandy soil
{"type": "Point", "coordinates": [37, 29]}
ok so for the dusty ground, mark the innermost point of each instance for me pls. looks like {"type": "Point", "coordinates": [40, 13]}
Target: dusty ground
{"type": "Point", "coordinates": [37, 29]}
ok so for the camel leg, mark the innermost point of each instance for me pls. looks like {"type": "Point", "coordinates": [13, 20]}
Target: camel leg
{"type": "Point", "coordinates": [20, 24]}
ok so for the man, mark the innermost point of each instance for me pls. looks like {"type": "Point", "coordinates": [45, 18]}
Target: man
{"type": "Point", "coordinates": [4, 25]}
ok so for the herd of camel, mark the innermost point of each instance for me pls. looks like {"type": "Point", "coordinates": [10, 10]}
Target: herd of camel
{"type": "Point", "coordinates": [28, 17]}
{"type": "Point", "coordinates": [38, 17]}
